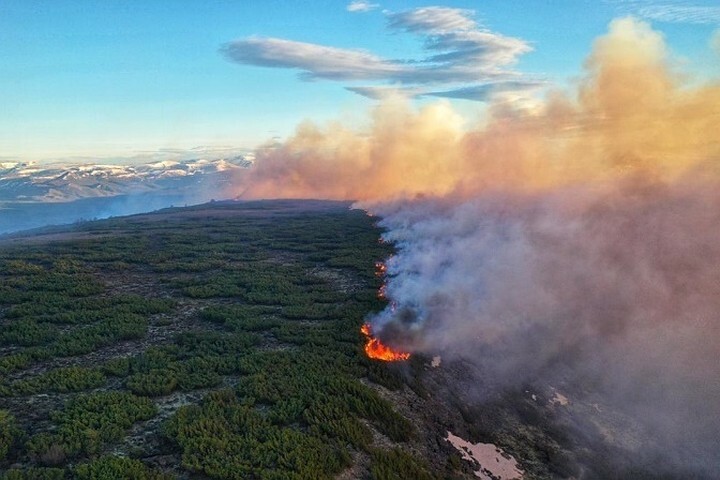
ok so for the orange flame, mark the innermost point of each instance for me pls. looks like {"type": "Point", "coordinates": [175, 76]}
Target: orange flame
{"type": "Point", "coordinates": [375, 349]}
{"type": "Point", "coordinates": [380, 269]}
{"type": "Point", "coordinates": [381, 293]}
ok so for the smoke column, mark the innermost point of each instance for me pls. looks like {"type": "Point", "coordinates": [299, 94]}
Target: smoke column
{"type": "Point", "coordinates": [580, 239]}
{"type": "Point", "coordinates": [630, 115]}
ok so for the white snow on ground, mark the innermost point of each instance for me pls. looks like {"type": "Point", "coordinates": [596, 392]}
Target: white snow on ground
{"type": "Point", "coordinates": [58, 182]}
{"type": "Point", "coordinates": [436, 361]}
{"type": "Point", "coordinates": [559, 399]}
{"type": "Point", "coordinates": [490, 459]}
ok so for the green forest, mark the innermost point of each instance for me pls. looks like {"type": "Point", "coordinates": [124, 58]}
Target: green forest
{"type": "Point", "coordinates": [220, 341]}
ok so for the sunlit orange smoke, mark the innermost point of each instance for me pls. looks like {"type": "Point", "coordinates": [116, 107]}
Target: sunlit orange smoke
{"type": "Point", "coordinates": [375, 349]}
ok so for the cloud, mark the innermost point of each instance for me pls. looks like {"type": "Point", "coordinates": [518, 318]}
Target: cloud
{"type": "Point", "coordinates": [479, 47]}
{"type": "Point", "coordinates": [315, 61]}
{"type": "Point", "coordinates": [672, 11]}
{"type": "Point", "coordinates": [681, 14]}
{"type": "Point", "coordinates": [458, 53]}
{"type": "Point", "coordinates": [481, 93]}
{"type": "Point", "coordinates": [361, 6]}
{"type": "Point", "coordinates": [381, 93]}
{"type": "Point", "coordinates": [487, 91]}
{"type": "Point", "coordinates": [433, 20]}
{"type": "Point", "coordinates": [474, 56]}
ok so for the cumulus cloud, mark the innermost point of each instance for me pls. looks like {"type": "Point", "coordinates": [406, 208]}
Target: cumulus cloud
{"type": "Point", "coordinates": [361, 6]}
{"type": "Point", "coordinates": [459, 54]}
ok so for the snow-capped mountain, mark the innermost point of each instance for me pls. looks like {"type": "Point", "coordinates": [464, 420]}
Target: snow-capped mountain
{"type": "Point", "coordinates": [30, 182]}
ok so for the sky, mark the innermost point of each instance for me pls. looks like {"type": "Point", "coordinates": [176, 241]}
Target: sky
{"type": "Point", "coordinates": [114, 79]}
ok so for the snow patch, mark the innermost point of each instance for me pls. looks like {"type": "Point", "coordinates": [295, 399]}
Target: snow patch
{"type": "Point", "coordinates": [559, 399]}
{"type": "Point", "coordinates": [492, 462]}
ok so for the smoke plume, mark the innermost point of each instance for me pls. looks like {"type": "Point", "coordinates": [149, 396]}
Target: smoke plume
{"type": "Point", "coordinates": [631, 114]}
{"type": "Point", "coordinates": [577, 237]}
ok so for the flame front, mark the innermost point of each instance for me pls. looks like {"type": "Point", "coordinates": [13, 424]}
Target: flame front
{"type": "Point", "coordinates": [380, 268]}
{"type": "Point", "coordinates": [375, 349]}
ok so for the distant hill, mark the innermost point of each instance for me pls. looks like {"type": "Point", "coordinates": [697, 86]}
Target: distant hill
{"type": "Point", "coordinates": [28, 182]}
{"type": "Point", "coordinates": [34, 195]}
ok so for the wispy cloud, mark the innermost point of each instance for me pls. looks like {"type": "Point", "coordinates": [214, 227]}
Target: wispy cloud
{"type": "Point", "coordinates": [460, 55]}
{"type": "Point", "coordinates": [379, 92]}
{"type": "Point", "coordinates": [476, 47]}
{"type": "Point", "coordinates": [487, 91]}
{"type": "Point", "coordinates": [481, 62]}
{"type": "Point", "coordinates": [361, 6]}
{"type": "Point", "coordinates": [478, 92]}
{"type": "Point", "coordinates": [682, 14]}
{"type": "Point", "coordinates": [433, 20]}
{"type": "Point", "coordinates": [313, 60]}
{"type": "Point", "coordinates": [677, 11]}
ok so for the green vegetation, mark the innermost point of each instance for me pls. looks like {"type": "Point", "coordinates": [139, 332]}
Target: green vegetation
{"type": "Point", "coordinates": [116, 468]}
{"type": "Point", "coordinates": [102, 468]}
{"type": "Point", "coordinates": [87, 423]}
{"type": "Point", "coordinates": [8, 433]}
{"type": "Point", "coordinates": [398, 464]}
{"type": "Point", "coordinates": [61, 380]}
{"type": "Point", "coordinates": [225, 336]}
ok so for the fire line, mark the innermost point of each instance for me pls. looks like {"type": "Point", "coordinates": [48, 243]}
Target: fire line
{"type": "Point", "coordinates": [375, 349]}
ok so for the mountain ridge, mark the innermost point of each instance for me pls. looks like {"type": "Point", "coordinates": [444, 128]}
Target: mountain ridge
{"type": "Point", "coordinates": [31, 182]}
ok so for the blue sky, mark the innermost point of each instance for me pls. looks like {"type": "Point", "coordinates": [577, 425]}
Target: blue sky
{"type": "Point", "coordinates": [113, 78]}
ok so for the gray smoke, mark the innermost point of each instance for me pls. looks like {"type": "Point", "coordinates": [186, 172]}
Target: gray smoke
{"type": "Point", "coordinates": [616, 288]}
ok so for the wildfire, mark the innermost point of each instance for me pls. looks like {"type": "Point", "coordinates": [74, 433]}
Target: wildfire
{"type": "Point", "coordinates": [375, 349]}
{"type": "Point", "coordinates": [381, 293]}
{"type": "Point", "coordinates": [380, 269]}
